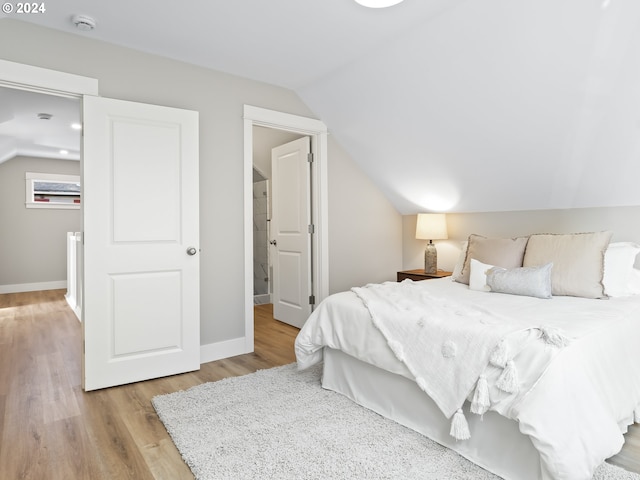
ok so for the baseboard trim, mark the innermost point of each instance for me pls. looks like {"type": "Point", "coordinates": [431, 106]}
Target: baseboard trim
{"type": "Point", "coordinates": [219, 350]}
{"type": "Point", "coordinates": [33, 287]}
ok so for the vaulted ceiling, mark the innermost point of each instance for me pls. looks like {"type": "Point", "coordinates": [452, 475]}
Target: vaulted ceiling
{"type": "Point", "coordinates": [448, 105]}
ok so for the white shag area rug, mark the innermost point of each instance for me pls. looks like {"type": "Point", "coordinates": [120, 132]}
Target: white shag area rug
{"type": "Point", "coordinates": [281, 424]}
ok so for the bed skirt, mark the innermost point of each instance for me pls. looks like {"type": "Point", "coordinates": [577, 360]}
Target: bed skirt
{"type": "Point", "coordinates": [496, 443]}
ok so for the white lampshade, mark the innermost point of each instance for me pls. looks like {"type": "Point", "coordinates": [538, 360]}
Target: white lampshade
{"type": "Point", "coordinates": [378, 3]}
{"type": "Point", "coordinates": [431, 226]}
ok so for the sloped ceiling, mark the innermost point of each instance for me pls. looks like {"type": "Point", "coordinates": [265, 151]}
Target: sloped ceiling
{"type": "Point", "coordinates": [448, 105]}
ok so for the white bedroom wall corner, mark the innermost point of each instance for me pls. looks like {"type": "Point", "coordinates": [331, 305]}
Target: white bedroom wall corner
{"type": "Point", "coordinates": [365, 228]}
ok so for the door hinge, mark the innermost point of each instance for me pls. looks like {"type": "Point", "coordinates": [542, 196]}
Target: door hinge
{"type": "Point", "coordinates": [312, 228]}
{"type": "Point", "coordinates": [310, 157]}
{"type": "Point", "coordinates": [312, 299]}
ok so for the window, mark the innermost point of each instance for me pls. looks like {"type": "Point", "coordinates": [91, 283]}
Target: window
{"type": "Point", "coordinates": [49, 190]}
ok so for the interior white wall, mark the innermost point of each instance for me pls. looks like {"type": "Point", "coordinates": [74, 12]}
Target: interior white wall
{"type": "Point", "coordinates": [33, 241]}
{"type": "Point", "coordinates": [620, 220]}
{"type": "Point", "coordinates": [130, 75]}
{"type": "Point", "coordinates": [365, 234]}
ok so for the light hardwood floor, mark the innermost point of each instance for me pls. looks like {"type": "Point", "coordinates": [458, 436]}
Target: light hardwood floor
{"type": "Point", "coordinates": [50, 429]}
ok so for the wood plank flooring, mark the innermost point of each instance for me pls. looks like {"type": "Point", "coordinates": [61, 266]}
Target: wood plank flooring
{"type": "Point", "coordinates": [50, 429]}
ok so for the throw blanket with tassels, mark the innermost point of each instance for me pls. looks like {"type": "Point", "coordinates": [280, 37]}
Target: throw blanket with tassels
{"type": "Point", "coordinates": [447, 346]}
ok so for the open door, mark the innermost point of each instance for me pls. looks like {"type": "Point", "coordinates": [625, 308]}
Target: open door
{"type": "Point", "coordinates": [291, 232]}
{"type": "Point", "coordinates": [141, 310]}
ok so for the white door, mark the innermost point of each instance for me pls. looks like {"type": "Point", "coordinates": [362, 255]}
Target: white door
{"type": "Point", "coordinates": [290, 237]}
{"type": "Point", "coordinates": [141, 259]}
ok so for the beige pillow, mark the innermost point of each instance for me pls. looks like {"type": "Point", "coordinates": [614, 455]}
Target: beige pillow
{"type": "Point", "coordinates": [578, 261]}
{"type": "Point", "coordinates": [500, 252]}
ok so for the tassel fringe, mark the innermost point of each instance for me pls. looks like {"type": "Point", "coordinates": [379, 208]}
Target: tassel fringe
{"type": "Point", "coordinates": [500, 355]}
{"type": "Point", "coordinates": [481, 402]}
{"type": "Point", "coordinates": [459, 426]}
{"type": "Point", "coordinates": [554, 336]}
{"type": "Point", "coordinates": [508, 381]}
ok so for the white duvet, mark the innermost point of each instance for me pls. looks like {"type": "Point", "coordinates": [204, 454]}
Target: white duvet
{"type": "Point", "coordinates": [574, 413]}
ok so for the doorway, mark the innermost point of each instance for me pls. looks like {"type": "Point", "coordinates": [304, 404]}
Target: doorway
{"type": "Point", "coordinates": [265, 139]}
{"type": "Point", "coordinates": [317, 132]}
{"type": "Point", "coordinates": [39, 167]}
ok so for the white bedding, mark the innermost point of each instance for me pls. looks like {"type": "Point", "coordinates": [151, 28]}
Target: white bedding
{"type": "Point", "coordinates": [573, 413]}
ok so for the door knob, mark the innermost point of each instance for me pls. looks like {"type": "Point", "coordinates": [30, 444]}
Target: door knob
{"type": "Point", "coordinates": [273, 242]}
{"type": "Point", "coordinates": [192, 251]}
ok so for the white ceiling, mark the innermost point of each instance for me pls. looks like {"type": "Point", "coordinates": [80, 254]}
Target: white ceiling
{"type": "Point", "coordinates": [459, 105]}
{"type": "Point", "coordinates": [23, 133]}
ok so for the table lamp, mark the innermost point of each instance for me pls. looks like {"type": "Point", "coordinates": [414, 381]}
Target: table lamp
{"type": "Point", "coordinates": [431, 226]}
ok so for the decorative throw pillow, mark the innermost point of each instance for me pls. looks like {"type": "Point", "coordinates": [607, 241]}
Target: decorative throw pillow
{"type": "Point", "coordinates": [478, 275]}
{"type": "Point", "coordinates": [529, 281]}
{"type": "Point", "coordinates": [578, 261]}
{"type": "Point", "coordinates": [501, 252]}
{"type": "Point", "coordinates": [619, 259]}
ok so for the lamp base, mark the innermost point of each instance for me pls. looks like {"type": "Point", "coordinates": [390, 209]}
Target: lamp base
{"type": "Point", "coordinates": [430, 258]}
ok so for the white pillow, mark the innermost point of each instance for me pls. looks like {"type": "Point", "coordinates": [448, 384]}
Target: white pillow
{"type": "Point", "coordinates": [634, 282]}
{"type": "Point", "coordinates": [478, 275]}
{"type": "Point", "coordinates": [618, 267]}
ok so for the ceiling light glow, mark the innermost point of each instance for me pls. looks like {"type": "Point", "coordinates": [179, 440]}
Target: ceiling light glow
{"type": "Point", "coordinates": [76, 126]}
{"type": "Point", "coordinates": [378, 3]}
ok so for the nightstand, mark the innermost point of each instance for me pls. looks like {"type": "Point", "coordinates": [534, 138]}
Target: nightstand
{"type": "Point", "coordinates": [419, 274]}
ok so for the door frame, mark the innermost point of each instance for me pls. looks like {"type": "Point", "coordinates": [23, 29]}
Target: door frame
{"type": "Point", "coordinates": [43, 80]}
{"type": "Point", "coordinates": [50, 82]}
{"type": "Point", "coordinates": [317, 131]}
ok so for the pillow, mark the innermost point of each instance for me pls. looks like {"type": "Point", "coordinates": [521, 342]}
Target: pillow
{"type": "Point", "coordinates": [501, 252]}
{"type": "Point", "coordinates": [529, 281]}
{"type": "Point", "coordinates": [634, 282]}
{"type": "Point", "coordinates": [619, 259]}
{"type": "Point", "coordinates": [457, 269]}
{"type": "Point", "coordinates": [478, 275]}
{"type": "Point", "coordinates": [578, 261]}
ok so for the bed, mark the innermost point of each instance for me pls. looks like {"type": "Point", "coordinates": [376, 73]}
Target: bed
{"type": "Point", "coordinates": [576, 363]}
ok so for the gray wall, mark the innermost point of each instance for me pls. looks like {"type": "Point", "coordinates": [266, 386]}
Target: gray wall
{"type": "Point", "coordinates": [33, 241]}
{"type": "Point", "coordinates": [365, 234]}
{"type": "Point", "coordinates": [129, 75]}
